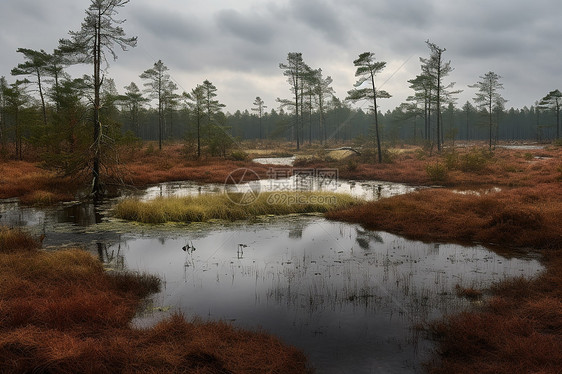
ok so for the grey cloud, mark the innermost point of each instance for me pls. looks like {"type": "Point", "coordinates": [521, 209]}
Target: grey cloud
{"type": "Point", "coordinates": [167, 25]}
{"type": "Point", "coordinates": [222, 39]}
{"type": "Point", "coordinates": [32, 10]}
{"type": "Point", "coordinates": [392, 29]}
{"type": "Point", "coordinates": [486, 46]}
{"type": "Point", "coordinates": [39, 12]}
{"type": "Point", "coordinates": [397, 13]}
{"type": "Point", "coordinates": [174, 37]}
{"type": "Point", "coordinates": [321, 16]}
{"type": "Point", "coordinates": [502, 15]}
{"type": "Point", "coordinates": [251, 28]}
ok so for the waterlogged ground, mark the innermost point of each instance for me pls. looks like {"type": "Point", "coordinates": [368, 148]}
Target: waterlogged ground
{"type": "Point", "coordinates": [350, 298]}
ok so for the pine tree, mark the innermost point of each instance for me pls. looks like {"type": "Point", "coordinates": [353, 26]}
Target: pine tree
{"type": "Point", "coordinates": [367, 69]}
{"type": "Point", "coordinates": [157, 80]}
{"type": "Point", "coordinates": [35, 66]}
{"type": "Point", "coordinates": [553, 100]}
{"type": "Point", "coordinates": [259, 108]}
{"type": "Point", "coordinates": [195, 101]}
{"type": "Point", "coordinates": [488, 97]}
{"type": "Point", "coordinates": [100, 33]}
{"type": "Point", "coordinates": [294, 70]}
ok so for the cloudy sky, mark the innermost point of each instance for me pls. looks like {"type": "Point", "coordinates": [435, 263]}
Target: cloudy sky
{"type": "Point", "coordinates": [238, 44]}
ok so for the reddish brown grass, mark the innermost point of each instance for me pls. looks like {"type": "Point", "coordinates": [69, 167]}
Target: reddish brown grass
{"type": "Point", "coordinates": [171, 164]}
{"type": "Point", "coordinates": [521, 217]}
{"type": "Point", "coordinates": [468, 292]}
{"type": "Point", "coordinates": [60, 312]}
{"type": "Point", "coordinates": [12, 240]}
{"type": "Point", "coordinates": [142, 166]}
{"type": "Point", "coordinates": [34, 185]}
{"type": "Point", "coordinates": [518, 331]}
{"type": "Point", "coordinates": [505, 167]}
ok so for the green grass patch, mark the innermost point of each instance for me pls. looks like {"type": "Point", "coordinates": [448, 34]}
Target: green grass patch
{"type": "Point", "coordinates": [207, 207]}
{"type": "Point", "coordinates": [437, 172]}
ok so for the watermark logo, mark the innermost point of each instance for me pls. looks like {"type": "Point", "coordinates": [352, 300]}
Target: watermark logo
{"type": "Point", "coordinates": [285, 198]}
{"type": "Point", "coordinates": [242, 186]}
{"type": "Point", "coordinates": [303, 179]}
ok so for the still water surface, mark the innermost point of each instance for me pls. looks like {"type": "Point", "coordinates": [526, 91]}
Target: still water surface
{"type": "Point", "coordinates": [366, 190]}
{"type": "Point", "coordinates": [350, 298]}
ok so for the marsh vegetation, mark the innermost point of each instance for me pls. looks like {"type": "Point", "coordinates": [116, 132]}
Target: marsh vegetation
{"type": "Point", "coordinates": [230, 206]}
{"type": "Point", "coordinates": [62, 312]}
{"type": "Point", "coordinates": [127, 246]}
{"type": "Point", "coordinates": [325, 273]}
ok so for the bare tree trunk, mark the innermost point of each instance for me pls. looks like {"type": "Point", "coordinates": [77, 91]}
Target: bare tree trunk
{"type": "Point", "coordinates": [18, 135]}
{"type": "Point", "coordinates": [439, 101]}
{"type": "Point", "coordinates": [379, 151]}
{"type": "Point", "coordinates": [96, 185]}
{"type": "Point", "coordinates": [557, 119]}
{"type": "Point", "coordinates": [467, 113]}
{"type": "Point", "coordinates": [198, 135]}
{"type": "Point", "coordinates": [160, 115]}
{"type": "Point", "coordinates": [297, 116]}
{"type": "Point", "coordinates": [490, 121]}
{"type": "Point", "coordinates": [43, 107]}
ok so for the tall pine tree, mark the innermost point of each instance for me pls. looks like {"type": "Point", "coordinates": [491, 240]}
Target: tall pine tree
{"type": "Point", "coordinates": [101, 33]}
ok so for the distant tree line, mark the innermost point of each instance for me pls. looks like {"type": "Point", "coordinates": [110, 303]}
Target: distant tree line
{"type": "Point", "coordinates": [49, 108]}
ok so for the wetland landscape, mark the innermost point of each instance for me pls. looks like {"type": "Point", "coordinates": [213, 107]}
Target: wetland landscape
{"type": "Point", "coordinates": [363, 214]}
{"type": "Point", "coordinates": [350, 297]}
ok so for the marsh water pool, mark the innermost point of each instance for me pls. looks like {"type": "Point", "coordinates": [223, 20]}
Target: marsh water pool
{"type": "Point", "coordinates": [522, 147]}
{"type": "Point", "coordinates": [351, 299]}
{"type": "Point", "coordinates": [366, 190]}
{"type": "Point", "coordinates": [279, 161]}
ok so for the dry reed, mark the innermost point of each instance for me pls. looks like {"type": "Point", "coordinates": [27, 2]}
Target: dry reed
{"type": "Point", "coordinates": [206, 207]}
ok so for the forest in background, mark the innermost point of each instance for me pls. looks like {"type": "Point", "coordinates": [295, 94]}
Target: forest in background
{"type": "Point", "coordinates": [67, 112]}
{"type": "Point", "coordinates": [48, 112]}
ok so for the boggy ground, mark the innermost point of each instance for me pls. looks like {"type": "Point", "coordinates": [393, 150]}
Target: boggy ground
{"type": "Point", "coordinates": [32, 184]}
{"type": "Point", "coordinates": [142, 166]}
{"type": "Point", "coordinates": [529, 217]}
{"type": "Point", "coordinates": [461, 167]}
{"type": "Point", "coordinates": [507, 198]}
{"type": "Point", "coordinates": [61, 312]}
{"type": "Point", "coordinates": [519, 327]}
{"type": "Point", "coordinates": [518, 330]}
{"type": "Point", "coordinates": [146, 166]}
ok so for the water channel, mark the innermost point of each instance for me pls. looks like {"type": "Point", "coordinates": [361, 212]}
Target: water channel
{"type": "Point", "coordinates": [351, 299]}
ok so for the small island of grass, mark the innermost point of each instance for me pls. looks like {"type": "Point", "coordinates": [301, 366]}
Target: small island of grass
{"type": "Point", "coordinates": [228, 207]}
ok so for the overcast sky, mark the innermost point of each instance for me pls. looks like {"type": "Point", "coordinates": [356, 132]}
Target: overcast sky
{"type": "Point", "coordinates": [238, 44]}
